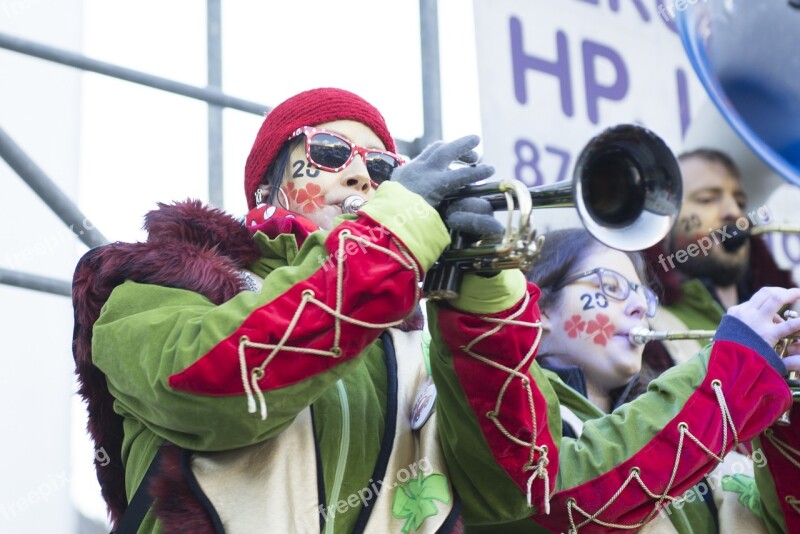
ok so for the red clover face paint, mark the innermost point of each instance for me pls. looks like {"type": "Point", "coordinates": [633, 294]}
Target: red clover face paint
{"type": "Point", "coordinates": [318, 194]}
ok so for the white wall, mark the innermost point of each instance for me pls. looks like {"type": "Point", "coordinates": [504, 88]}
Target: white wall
{"type": "Point", "coordinates": [40, 110]}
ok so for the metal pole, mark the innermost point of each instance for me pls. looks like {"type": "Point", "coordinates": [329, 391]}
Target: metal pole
{"type": "Point", "coordinates": [33, 281]}
{"type": "Point", "coordinates": [431, 78]}
{"type": "Point", "coordinates": [79, 61]}
{"type": "Point", "coordinates": [71, 59]}
{"type": "Point", "coordinates": [49, 192]}
{"type": "Point", "coordinates": [214, 52]}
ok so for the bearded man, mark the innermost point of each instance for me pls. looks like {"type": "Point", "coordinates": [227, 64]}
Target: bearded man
{"type": "Point", "coordinates": [708, 262]}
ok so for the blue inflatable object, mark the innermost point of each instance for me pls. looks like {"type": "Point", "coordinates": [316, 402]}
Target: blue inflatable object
{"type": "Point", "coordinates": [747, 55]}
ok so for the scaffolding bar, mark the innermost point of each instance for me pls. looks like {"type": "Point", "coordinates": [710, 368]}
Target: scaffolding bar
{"type": "Point", "coordinates": [431, 76]}
{"type": "Point", "coordinates": [214, 53]}
{"type": "Point", "coordinates": [35, 282]}
{"type": "Point", "coordinates": [49, 192]}
{"type": "Point", "coordinates": [64, 57]}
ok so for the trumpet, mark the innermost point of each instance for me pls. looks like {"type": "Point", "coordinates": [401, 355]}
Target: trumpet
{"type": "Point", "coordinates": [641, 335]}
{"type": "Point", "coordinates": [626, 187]}
{"type": "Point", "coordinates": [779, 228]}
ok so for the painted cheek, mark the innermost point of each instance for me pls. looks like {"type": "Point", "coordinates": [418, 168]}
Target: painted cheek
{"type": "Point", "coordinates": [310, 198]}
{"type": "Point", "coordinates": [311, 171]}
{"type": "Point", "coordinates": [306, 198]}
{"type": "Point", "coordinates": [689, 223]}
{"type": "Point", "coordinates": [575, 326]}
{"type": "Point", "coordinates": [601, 328]}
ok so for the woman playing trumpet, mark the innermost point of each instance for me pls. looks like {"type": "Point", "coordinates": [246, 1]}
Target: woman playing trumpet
{"type": "Point", "coordinates": [241, 376]}
{"type": "Point", "coordinates": [591, 298]}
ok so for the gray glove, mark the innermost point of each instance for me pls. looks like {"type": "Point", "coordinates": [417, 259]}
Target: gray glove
{"type": "Point", "coordinates": [473, 216]}
{"type": "Point", "coordinates": [430, 176]}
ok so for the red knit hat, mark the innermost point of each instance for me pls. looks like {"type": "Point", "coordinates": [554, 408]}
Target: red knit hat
{"type": "Point", "coordinates": [308, 108]}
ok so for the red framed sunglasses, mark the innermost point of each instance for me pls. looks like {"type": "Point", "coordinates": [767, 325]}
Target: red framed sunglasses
{"type": "Point", "coordinates": [332, 152]}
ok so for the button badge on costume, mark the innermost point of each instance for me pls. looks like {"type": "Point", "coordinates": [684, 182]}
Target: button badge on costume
{"type": "Point", "coordinates": [424, 404]}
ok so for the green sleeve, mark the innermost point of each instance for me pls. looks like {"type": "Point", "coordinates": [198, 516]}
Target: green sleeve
{"type": "Point", "coordinates": [609, 440]}
{"type": "Point", "coordinates": [147, 333]}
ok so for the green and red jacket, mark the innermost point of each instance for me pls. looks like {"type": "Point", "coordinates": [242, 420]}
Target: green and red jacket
{"type": "Point", "coordinates": [779, 477]}
{"type": "Point", "coordinates": [626, 466]}
{"type": "Point", "coordinates": [193, 359]}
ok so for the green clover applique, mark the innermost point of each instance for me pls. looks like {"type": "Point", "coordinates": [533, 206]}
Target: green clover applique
{"type": "Point", "coordinates": [745, 486]}
{"type": "Point", "coordinates": [413, 501]}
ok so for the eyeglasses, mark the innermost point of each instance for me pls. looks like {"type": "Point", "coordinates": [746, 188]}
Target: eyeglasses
{"type": "Point", "coordinates": [615, 286]}
{"type": "Point", "coordinates": [332, 152]}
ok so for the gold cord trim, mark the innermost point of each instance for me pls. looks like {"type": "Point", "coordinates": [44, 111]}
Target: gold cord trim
{"type": "Point", "coordinates": [250, 380]}
{"type": "Point", "coordinates": [786, 450]}
{"type": "Point", "coordinates": [536, 466]}
{"type": "Point", "coordinates": [635, 473]}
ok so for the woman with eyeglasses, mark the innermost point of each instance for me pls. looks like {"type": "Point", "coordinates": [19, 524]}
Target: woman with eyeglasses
{"type": "Point", "coordinates": [592, 296]}
{"type": "Point", "coordinates": [269, 376]}
{"type": "Point", "coordinates": [587, 317]}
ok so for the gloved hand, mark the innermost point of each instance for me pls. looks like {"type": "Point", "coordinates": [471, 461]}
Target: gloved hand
{"type": "Point", "coordinates": [473, 216]}
{"type": "Point", "coordinates": [430, 176]}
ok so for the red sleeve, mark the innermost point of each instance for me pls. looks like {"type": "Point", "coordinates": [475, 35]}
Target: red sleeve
{"type": "Point", "coordinates": [781, 446]}
{"type": "Point", "coordinates": [368, 281]}
{"type": "Point", "coordinates": [740, 396]}
{"type": "Point", "coordinates": [492, 356]}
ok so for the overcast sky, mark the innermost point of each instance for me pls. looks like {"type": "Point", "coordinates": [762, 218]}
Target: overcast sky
{"type": "Point", "coordinates": [141, 145]}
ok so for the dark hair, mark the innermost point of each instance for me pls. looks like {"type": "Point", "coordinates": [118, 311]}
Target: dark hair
{"type": "Point", "coordinates": [273, 178]}
{"type": "Point", "coordinates": [712, 155]}
{"type": "Point", "coordinates": [563, 250]}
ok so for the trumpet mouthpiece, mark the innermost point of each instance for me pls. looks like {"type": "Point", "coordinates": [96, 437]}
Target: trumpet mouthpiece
{"type": "Point", "coordinates": [639, 335]}
{"type": "Point", "coordinates": [352, 204]}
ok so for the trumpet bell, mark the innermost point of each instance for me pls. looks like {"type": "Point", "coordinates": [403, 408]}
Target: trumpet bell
{"type": "Point", "coordinates": [744, 54]}
{"type": "Point", "coordinates": [628, 187]}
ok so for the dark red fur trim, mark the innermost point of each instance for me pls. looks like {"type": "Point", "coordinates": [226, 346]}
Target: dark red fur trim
{"type": "Point", "coordinates": [459, 528]}
{"type": "Point", "coordinates": [415, 321]}
{"type": "Point", "coordinates": [192, 222]}
{"type": "Point", "coordinates": [180, 253]}
{"type": "Point", "coordinates": [189, 246]}
{"type": "Point", "coordinates": [175, 504]}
